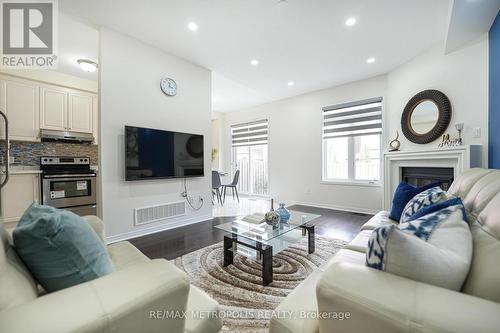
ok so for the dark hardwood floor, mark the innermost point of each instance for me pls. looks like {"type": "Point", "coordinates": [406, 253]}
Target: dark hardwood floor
{"type": "Point", "coordinates": [173, 243]}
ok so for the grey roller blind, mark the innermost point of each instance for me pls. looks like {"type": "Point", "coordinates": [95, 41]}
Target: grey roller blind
{"type": "Point", "coordinates": [353, 119]}
{"type": "Point", "coordinates": [249, 134]}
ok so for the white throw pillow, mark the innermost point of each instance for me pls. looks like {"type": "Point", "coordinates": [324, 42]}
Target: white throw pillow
{"type": "Point", "coordinates": [421, 200]}
{"type": "Point", "coordinates": [434, 249]}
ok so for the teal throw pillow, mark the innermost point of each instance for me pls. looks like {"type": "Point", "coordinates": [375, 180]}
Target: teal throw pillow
{"type": "Point", "coordinates": [60, 248]}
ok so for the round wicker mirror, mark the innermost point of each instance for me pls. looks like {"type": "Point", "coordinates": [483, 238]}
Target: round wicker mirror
{"type": "Point", "coordinates": [426, 116]}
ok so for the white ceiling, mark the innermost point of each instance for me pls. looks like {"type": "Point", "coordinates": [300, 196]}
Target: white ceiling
{"type": "Point", "coordinates": [296, 40]}
{"type": "Point", "coordinates": [77, 40]}
{"type": "Point", "coordinates": [469, 19]}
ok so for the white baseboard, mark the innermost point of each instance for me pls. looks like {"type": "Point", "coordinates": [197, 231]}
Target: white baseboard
{"type": "Point", "coordinates": [157, 228]}
{"type": "Point", "coordinates": [208, 217]}
{"type": "Point", "coordinates": [341, 208]}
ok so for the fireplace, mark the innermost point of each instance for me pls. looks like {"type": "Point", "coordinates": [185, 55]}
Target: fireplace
{"type": "Point", "coordinates": [425, 166]}
{"type": "Point", "coordinates": [420, 176]}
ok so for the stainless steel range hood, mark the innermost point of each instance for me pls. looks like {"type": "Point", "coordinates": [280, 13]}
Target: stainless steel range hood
{"type": "Point", "coordinates": [66, 136]}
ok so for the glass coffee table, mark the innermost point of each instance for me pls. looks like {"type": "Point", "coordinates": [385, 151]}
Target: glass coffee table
{"type": "Point", "coordinates": [254, 238]}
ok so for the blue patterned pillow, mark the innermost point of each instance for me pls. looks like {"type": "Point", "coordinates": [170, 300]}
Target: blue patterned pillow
{"type": "Point", "coordinates": [423, 199]}
{"type": "Point", "coordinates": [424, 226]}
{"type": "Point", "coordinates": [434, 208]}
{"type": "Point", "coordinates": [404, 193]}
{"type": "Point", "coordinates": [375, 253]}
{"type": "Point", "coordinates": [435, 248]}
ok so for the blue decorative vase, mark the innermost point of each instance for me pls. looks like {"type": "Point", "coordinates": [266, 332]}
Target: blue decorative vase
{"type": "Point", "coordinates": [283, 213]}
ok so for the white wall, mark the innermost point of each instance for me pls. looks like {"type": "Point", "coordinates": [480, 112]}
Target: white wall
{"type": "Point", "coordinates": [295, 123]}
{"type": "Point", "coordinates": [129, 95]}
{"type": "Point", "coordinates": [461, 75]}
{"type": "Point", "coordinates": [295, 147]}
{"type": "Point", "coordinates": [216, 129]}
{"type": "Point", "coordinates": [218, 123]}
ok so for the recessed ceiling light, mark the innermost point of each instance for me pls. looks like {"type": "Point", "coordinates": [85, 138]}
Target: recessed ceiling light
{"type": "Point", "coordinates": [290, 83]}
{"type": "Point", "coordinates": [192, 26]}
{"type": "Point", "coordinates": [87, 65]}
{"type": "Point", "coordinates": [350, 21]}
{"type": "Point", "coordinates": [370, 60]}
{"type": "Point", "coordinates": [254, 62]}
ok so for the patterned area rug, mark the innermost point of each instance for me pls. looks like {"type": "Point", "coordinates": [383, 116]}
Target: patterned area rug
{"type": "Point", "coordinates": [238, 287]}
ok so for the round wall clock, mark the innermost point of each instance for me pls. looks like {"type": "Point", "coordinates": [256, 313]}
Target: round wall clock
{"type": "Point", "coordinates": [168, 86]}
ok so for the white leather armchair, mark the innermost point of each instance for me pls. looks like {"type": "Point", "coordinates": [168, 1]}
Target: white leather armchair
{"type": "Point", "coordinates": [135, 298]}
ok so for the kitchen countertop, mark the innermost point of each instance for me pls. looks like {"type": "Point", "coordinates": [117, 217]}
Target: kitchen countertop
{"type": "Point", "coordinates": [19, 170]}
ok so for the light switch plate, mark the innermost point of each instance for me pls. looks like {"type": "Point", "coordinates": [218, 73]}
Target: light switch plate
{"type": "Point", "coordinates": [476, 132]}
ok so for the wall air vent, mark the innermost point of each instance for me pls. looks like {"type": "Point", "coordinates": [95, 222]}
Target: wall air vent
{"type": "Point", "coordinates": [149, 214]}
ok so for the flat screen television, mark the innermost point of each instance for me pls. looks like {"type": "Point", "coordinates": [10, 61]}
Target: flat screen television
{"type": "Point", "coordinates": [158, 154]}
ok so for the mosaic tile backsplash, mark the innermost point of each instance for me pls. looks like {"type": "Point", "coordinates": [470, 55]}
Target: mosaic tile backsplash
{"type": "Point", "coordinates": [28, 153]}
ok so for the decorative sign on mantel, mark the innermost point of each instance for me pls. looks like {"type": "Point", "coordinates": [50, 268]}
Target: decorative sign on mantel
{"type": "Point", "coordinates": [453, 142]}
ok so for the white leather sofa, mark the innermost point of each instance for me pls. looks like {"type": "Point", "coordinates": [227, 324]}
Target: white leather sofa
{"type": "Point", "coordinates": [135, 298]}
{"type": "Point", "coordinates": [376, 301]}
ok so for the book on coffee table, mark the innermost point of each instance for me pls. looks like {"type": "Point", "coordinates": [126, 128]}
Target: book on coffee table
{"type": "Point", "coordinates": [256, 218]}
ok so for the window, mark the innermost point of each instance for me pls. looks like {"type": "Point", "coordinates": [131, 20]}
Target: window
{"type": "Point", "coordinates": [351, 141]}
{"type": "Point", "coordinates": [250, 156]}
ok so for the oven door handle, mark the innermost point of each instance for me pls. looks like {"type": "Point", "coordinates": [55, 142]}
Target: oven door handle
{"type": "Point", "coordinates": [70, 177]}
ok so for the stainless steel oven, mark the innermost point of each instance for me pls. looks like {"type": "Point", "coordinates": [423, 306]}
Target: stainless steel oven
{"type": "Point", "coordinates": [69, 183]}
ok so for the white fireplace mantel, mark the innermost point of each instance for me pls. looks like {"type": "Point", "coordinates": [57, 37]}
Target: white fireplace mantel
{"type": "Point", "coordinates": [459, 158]}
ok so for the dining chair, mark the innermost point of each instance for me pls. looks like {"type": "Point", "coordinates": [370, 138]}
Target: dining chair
{"type": "Point", "coordinates": [233, 185]}
{"type": "Point", "coordinates": [216, 187]}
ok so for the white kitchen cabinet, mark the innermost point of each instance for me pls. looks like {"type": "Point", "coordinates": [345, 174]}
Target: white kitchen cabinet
{"type": "Point", "coordinates": [21, 190]}
{"type": "Point", "coordinates": [53, 108]}
{"type": "Point", "coordinates": [31, 106]}
{"type": "Point", "coordinates": [81, 113]}
{"type": "Point", "coordinates": [19, 100]}
{"type": "Point", "coordinates": [63, 109]}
